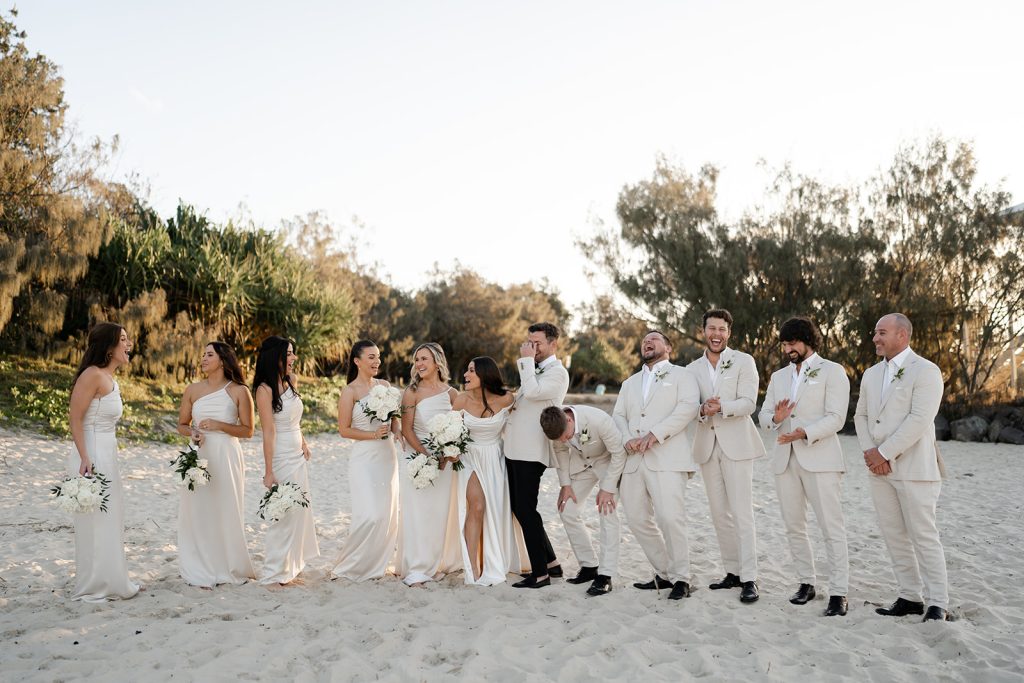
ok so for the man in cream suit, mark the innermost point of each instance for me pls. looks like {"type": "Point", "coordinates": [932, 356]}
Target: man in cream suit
{"type": "Point", "coordinates": [895, 418]}
{"type": "Point", "coordinates": [543, 382]}
{"type": "Point", "coordinates": [652, 412]}
{"type": "Point", "coordinates": [588, 453]}
{"type": "Point", "coordinates": [725, 445]}
{"type": "Point", "coordinates": [806, 406]}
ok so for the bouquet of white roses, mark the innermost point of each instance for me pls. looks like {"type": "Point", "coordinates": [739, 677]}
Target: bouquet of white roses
{"type": "Point", "coordinates": [79, 495]}
{"type": "Point", "coordinates": [280, 499]}
{"type": "Point", "coordinates": [192, 468]}
{"type": "Point", "coordinates": [383, 403]}
{"type": "Point", "coordinates": [448, 437]}
{"type": "Point", "coordinates": [423, 470]}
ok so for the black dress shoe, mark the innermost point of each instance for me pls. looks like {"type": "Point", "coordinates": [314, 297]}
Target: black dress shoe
{"type": "Point", "coordinates": [804, 594]}
{"type": "Point", "coordinates": [936, 614]}
{"type": "Point", "coordinates": [530, 582]}
{"type": "Point", "coordinates": [749, 593]}
{"type": "Point", "coordinates": [730, 581]}
{"type": "Point", "coordinates": [555, 572]}
{"type": "Point", "coordinates": [680, 590]}
{"type": "Point", "coordinates": [901, 608]}
{"type": "Point", "coordinates": [836, 606]}
{"type": "Point", "coordinates": [585, 574]}
{"type": "Point", "coordinates": [658, 582]}
{"type": "Point", "coordinates": [602, 584]}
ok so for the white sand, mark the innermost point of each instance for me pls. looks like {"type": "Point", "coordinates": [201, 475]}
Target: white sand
{"type": "Point", "coordinates": [381, 630]}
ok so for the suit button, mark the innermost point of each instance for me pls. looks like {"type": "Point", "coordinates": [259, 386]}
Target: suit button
{"type": "Point", "coordinates": [643, 415]}
{"type": "Point", "coordinates": [793, 415]}
{"type": "Point", "coordinates": [877, 422]}
{"type": "Point", "coordinates": [712, 427]}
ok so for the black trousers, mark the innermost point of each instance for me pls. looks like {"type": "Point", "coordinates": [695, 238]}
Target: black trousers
{"type": "Point", "coordinates": [523, 487]}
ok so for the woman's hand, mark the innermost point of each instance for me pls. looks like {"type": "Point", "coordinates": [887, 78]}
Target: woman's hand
{"type": "Point", "coordinates": [382, 432]}
{"type": "Point", "coordinates": [209, 425]}
{"type": "Point", "coordinates": [86, 467]}
{"type": "Point", "coordinates": [269, 479]}
{"type": "Point", "coordinates": [198, 438]}
{"type": "Point", "coordinates": [305, 450]}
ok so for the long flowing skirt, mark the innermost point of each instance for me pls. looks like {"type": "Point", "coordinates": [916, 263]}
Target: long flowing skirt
{"type": "Point", "coordinates": [101, 569]}
{"type": "Point", "coordinates": [211, 519]}
{"type": "Point", "coordinates": [291, 541]}
{"type": "Point", "coordinates": [428, 542]}
{"type": "Point", "coordinates": [500, 552]}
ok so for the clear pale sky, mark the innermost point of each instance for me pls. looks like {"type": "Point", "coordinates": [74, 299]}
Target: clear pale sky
{"type": "Point", "coordinates": [495, 133]}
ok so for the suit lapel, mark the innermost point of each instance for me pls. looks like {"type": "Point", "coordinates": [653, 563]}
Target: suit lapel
{"type": "Point", "coordinates": [581, 422]}
{"type": "Point", "coordinates": [802, 384]}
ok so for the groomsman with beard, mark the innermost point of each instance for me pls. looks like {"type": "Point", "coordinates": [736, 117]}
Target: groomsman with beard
{"type": "Point", "coordinates": [652, 412]}
{"type": "Point", "coordinates": [588, 453]}
{"type": "Point", "coordinates": [543, 382]}
{"type": "Point", "coordinates": [806, 405]}
{"type": "Point", "coordinates": [725, 446]}
{"type": "Point", "coordinates": [895, 419]}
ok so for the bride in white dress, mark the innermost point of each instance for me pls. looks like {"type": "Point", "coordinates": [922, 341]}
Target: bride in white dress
{"type": "Point", "coordinates": [369, 548]}
{"type": "Point", "coordinates": [291, 541]}
{"type": "Point", "coordinates": [101, 570]}
{"type": "Point", "coordinates": [215, 413]}
{"type": "Point", "coordinates": [488, 540]}
{"type": "Point", "coordinates": [428, 543]}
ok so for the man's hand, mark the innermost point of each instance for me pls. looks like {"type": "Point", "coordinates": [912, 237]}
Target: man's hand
{"type": "Point", "coordinates": [783, 409]}
{"type": "Point", "coordinates": [633, 445]}
{"type": "Point", "coordinates": [876, 462]}
{"type": "Point", "coordinates": [712, 406]}
{"type": "Point", "coordinates": [605, 502]}
{"type": "Point", "coordinates": [564, 496]}
{"type": "Point", "coordinates": [795, 435]}
{"type": "Point", "coordinates": [527, 350]}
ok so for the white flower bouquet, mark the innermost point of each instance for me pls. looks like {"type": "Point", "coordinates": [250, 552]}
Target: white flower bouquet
{"type": "Point", "coordinates": [192, 468]}
{"type": "Point", "coordinates": [448, 437]}
{"type": "Point", "coordinates": [423, 470]}
{"type": "Point", "coordinates": [82, 495]}
{"type": "Point", "coordinates": [383, 403]}
{"type": "Point", "coordinates": [280, 499]}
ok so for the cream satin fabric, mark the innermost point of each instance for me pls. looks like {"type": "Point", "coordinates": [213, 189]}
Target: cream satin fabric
{"type": "Point", "coordinates": [101, 570]}
{"type": "Point", "coordinates": [291, 542]}
{"type": "Point", "coordinates": [211, 520]}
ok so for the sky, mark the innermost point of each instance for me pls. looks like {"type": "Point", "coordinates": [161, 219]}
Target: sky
{"type": "Point", "coordinates": [498, 134]}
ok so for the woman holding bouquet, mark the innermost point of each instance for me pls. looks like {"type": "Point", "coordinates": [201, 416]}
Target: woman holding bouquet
{"type": "Point", "coordinates": [291, 542]}
{"type": "Point", "coordinates": [428, 544]}
{"type": "Point", "coordinates": [101, 570]}
{"type": "Point", "coordinates": [372, 469]}
{"type": "Point", "coordinates": [216, 413]}
{"type": "Point", "coordinates": [488, 538]}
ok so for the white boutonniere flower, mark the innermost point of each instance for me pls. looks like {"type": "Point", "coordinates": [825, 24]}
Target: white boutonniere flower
{"type": "Point", "coordinates": [538, 371]}
{"type": "Point", "coordinates": [660, 375]}
{"type": "Point", "coordinates": [811, 374]}
{"type": "Point", "coordinates": [725, 366]}
{"type": "Point", "coordinates": [584, 437]}
{"type": "Point", "coordinates": [898, 375]}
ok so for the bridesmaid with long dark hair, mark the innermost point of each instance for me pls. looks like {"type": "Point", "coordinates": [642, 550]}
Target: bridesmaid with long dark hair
{"type": "Point", "coordinates": [216, 412]}
{"type": "Point", "coordinates": [372, 473]}
{"type": "Point", "coordinates": [290, 542]}
{"type": "Point", "coordinates": [101, 570]}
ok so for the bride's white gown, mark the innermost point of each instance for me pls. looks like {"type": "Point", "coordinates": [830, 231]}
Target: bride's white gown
{"type": "Point", "coordinates": [101, 571]}
{"type": "Point", "coordinates": [428, 542]}
{"type": "Point", "coordinates": [485, 458]}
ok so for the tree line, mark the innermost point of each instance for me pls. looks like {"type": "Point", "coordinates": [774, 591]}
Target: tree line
{"type": "Point", "coordinates": [924, 237]}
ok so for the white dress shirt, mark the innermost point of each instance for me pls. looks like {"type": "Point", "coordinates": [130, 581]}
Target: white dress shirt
{"type": "Point", "coordinates": [648, 374]}
{"type": "Point", "coordinates": [892, 367]}
{"type": "Point", "coordinates": [798, 373]}
{"type": "Point", "coordinates": [575, 440]}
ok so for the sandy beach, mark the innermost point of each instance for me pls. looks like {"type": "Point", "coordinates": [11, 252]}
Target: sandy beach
{"type": "Point", "coordinates": [382, 630]}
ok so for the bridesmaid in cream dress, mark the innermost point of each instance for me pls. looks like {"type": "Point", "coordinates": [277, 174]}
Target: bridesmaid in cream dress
{"type": "Point", "coordinates": [372, 473]}
{"type": "Point", "coordinates": [428, 543]}
{"type": "Point", "coordinates": [489, 550]}
{"type": "Point", "coordinates": [215, 413]}
{"type": "Point", "coordinates": [101, 570]}
{"type": "Point", "coordinates": [291, 541]}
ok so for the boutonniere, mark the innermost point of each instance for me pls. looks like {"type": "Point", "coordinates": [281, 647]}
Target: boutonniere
{"type": "Point", "coordinates": [660, 375]}
{"type": "Point", "coordinates": [898, 375]}
{"type": "Point", "coordinates": [538, 371]}
{"type": "Point", "coordinates": [811, 374]}
{"type": "Point", "coordinates": [584, 437]}
{"type": "Point", "coordinates": [725, 366]}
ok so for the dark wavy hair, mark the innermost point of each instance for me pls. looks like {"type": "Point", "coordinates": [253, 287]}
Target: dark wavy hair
{"type": "Point", "coordinates": [103, 339]}
{"type": "Point", "coordinates": [356, 352]}
{"type": "Point", "coordinates": [802, 330]}
{"type": "Point", "coordinates": [232, 368]}
{"type": "Point", "coordinates": [491, 380]}
{"type": "Point", "coordinates": [271, 369]}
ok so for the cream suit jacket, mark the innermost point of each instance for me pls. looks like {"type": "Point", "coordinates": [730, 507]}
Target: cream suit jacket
{"type": "Point", "coordinates": [821, 404]}
{"type": "Point", "coordinates": [736, 385]}
{"type": "Point", "coordinates": [524, 439]}
{"type": "Point", "coordinates": [602, 451]}
{"type": "Point", "coordinates": [671, 405]}
{"type": "Point", "coordinates": [901, 423]}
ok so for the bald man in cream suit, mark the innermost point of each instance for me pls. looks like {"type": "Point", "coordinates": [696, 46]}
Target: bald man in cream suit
{"type": "Point", "coordinates": [895, 418]}
{"type": "Point", "coordinates": [805, 407]}
{"type": "Point", "coordinates": [725, 445]}
{"type": "Point", "coordinates": [652, 411]}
